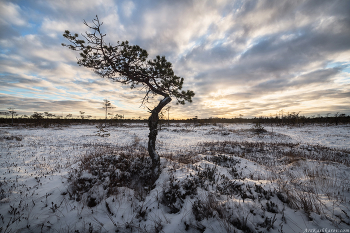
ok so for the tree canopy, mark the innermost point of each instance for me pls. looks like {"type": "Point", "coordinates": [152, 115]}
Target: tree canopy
{"type": "Point", "coordinates": [127, 64]}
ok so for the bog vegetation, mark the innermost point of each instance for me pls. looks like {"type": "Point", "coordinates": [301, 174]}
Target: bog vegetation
{"type": "Point", "coordinates": [213, 178]}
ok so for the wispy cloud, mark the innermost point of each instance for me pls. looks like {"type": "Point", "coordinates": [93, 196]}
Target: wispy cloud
{"type": "Point", "coordinates": [240, 57]}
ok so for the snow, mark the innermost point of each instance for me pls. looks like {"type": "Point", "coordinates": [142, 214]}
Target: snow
{"type": "Point", "coordinates": [37, 166]}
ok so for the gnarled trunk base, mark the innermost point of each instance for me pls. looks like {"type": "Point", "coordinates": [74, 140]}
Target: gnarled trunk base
{"type": "Point", "coordinates": [152, 137]}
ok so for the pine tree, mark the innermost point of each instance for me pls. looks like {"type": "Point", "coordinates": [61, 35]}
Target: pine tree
{"type": "Point", "coordinates": [128, 65]}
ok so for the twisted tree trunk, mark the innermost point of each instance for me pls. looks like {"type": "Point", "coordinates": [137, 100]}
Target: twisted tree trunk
{"type": "Point", "coordinates": [152, 137]}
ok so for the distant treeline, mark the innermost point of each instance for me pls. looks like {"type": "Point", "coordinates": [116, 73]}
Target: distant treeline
{"type": "Point", "coordinates": [288, 119]}
{"type": "Point", "coordinates": [293, 119]}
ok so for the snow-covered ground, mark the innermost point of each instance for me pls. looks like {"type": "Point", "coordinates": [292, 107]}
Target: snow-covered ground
{"type": "Point", "coordinates": [221, 178]}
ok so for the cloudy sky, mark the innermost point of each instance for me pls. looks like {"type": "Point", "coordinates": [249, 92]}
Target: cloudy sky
{"type": "Point", "coordinates": [252, 58]}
